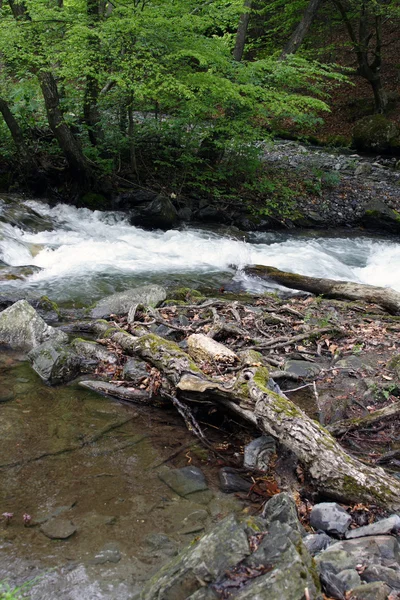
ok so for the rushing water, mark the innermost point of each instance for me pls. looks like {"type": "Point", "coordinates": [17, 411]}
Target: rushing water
{"type": "Point", "coordinates": [84, 254]}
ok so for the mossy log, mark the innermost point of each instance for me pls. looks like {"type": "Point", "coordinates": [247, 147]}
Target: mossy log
{"type": "Point", "coordinates": [385, 297]}
{"type": "Point", "coordinates": [342, 427]}
{"type": "Point", "coordinates": [332, 470]}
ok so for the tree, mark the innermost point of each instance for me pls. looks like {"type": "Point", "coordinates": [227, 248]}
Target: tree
{"type": "Point", "coordinates": [297, 37]}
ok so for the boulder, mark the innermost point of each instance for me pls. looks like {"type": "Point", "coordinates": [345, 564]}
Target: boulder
{"type": "Point", "coordinates": [330, 517]}
{"type": "Point", "coordinates": [370, 591]}
{"type": "Point", "coordinates": [55, 363]}
{"type": "Point", "coordinates": [23, 329]}
{"type": "Point", "coordinates": [160, 213]}
{"type": "Point", "coordinates": [379, 550]}
{"type": "Point", "coordinates": [375, 133]}
{"type": "Point", "coordinates": [58, 529]}
{"type": "Point", "coordinates": [379, 217]}
{"type": "Point", "coordinates": [282, 508]}
{"type": "Point", "coordinates": [120, 303]}
{"type": "Point", "coordinates": [202, 348]}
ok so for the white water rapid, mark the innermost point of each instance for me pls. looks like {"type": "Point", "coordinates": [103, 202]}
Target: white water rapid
{"type": "Point", "coordinates": [85, 254]}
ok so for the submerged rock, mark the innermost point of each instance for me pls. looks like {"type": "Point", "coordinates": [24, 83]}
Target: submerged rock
{"type": "Point", "coordinates": [58, 529]}
{"type": "Point", "coordinates": [15, 273]}
{"type": "Point", "coordinates": [119, 304]}
{"type": "Point", "coordinates": [55, 363]}
{"type": "Point", "coordinates": [185, 481]}
{"type": "Point", "coordinates": [23, 329]}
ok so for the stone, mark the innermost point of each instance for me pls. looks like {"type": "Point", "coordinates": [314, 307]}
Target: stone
{"type": "Point", "coordinates": [120, 303]}
{"type": "Point", "coordinates": [330, 517]}
{"type": "Point", "coordinates": [55, 363]}
{"type": "Point", "coordinates": [363, 169]}
{"type": "Point", "coordinates": [347, 554]}
{"type": "Point", "coordinates": [375, 133]}
{"type": "Point", "coordinates": [15, 273]}
{"type": "Point", "coordinates": [302, 368]}
{"type": "Point", "coordinates": [379, 217]}
{"type": "Point", "coordinates": [161, 545]}
{"type": "Point", "coordinates": [390, 576]}
{"type": "Point", "coordinates": [383, 527]}
{"type": "Point", "coordinates": [282, 508]}
{"type": "Point", "coordinates": [200, 564]}
{"type": "Point", "coordinates": [353, 363]}
{"type": "Point", "coordinates": [160, 213]}
{"type": "Point", "coordinates": [258, 453]}
{"type": "Point", "coordinates": [134, 370]}
{"type": "Point", "coordinates": [58, 529]}
{"type": "Point", "coordinates": [316, 542]}
{"type": "Point", "coordinates": [370, 591]}
{"type": "Point", "coordinates": [109, 553]}
{"type": "Point", "coordinates": [185, 481]}
{"type": "Point", "coordinates": [231, 481]}
{"type": "Point", "coordinates": [202, 348]}
{"type": "Point", "coordinates": [194, 522]}
{"type": "Point", "coordinates": [22, 328]}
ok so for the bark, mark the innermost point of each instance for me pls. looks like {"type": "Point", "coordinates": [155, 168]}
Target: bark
{"type": "Point", "coordinates": [385, 297]}
{"type": "Point", "coordinates": [334, 472]}
{"type": "Point", "coordinates": [302, 29]}
{"type": "Point", "coordinates": [241, 33]}
{"type": "Point", "coordinates": [91, 112]}
{"type": "Point", "coordinates": [342, 427]}
{"type": "Point", "coordinates": [25, 156]}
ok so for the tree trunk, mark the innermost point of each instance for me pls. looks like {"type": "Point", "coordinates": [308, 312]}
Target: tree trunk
{"type": "Point", "coordinates": [385, 297]}
{"type": "Point", "coordinates": [242, 31]}
{"type": "Point", "coordinates": [334, 472]}
{"type": "Point", "coordinates": [91, 111]}
{"type": "Point", "coordinates": [302, 28]}
{"type": "Point", "coordinates": [25, 156]}
{"type": "Point", "coordinates": [63, 134]}
{"type": "Point", "coordinates": [380, 96]}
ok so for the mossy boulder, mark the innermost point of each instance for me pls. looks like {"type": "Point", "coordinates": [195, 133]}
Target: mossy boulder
{"type": "Point", "coordinates": [55, 363]}
{"type": "Point", "coordinates": [379, 217]}
{"type": "Point", "coordinates": [160, 213]}
{"type": "Point", "coordinates": [94, 201]}
{"type": "Point", "coordinates": [376, 133]}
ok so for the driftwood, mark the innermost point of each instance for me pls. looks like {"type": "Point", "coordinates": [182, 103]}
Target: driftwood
{"type": "Point", "coordinates": [332, 470]}
{"type": "Point", "coordinates": [385, 297]}
{"type": "Point", "coordinates": [130, 394]}
{"type": "Point", "coordinates": [342, 427]}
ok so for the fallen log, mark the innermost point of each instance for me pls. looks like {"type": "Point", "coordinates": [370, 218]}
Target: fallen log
{"type": "Point", "coordinates": [333, 471]}
{"type": "Point", "coordinates": [342, 427]}
{"type": "Point", "coordinates": [387, 298]}
{"type": "Point", "coordinates": [130, 394]}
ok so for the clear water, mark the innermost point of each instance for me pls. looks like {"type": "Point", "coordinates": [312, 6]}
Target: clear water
{"type": "Point", "coordinates": [87, 254]}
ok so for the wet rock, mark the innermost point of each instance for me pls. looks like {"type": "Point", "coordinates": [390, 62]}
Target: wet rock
{"type": "Point", "coordinates": [134, 370]}
{"type": "Point", "coordinates": [383, 527]}
{"type": "Point", "coordinates": [120, 303]}
{"type": "Point", "coordinates": [282, 508]}
{"type": "Point", "coordinates": [194, 522]}
{"type": "Point", "coordinates": [302, 368]}
{"type": "Point", "coordinates": [109, 553]}
{"type": "Point", "coordinates": [23, 329]}
{"type": "Point", "coordinates": [55, 363]}
{"type": "Point", "coordinates": [379, 217]}
{"type": "Point", "coordinates": [381, 550]}
{"type": "Point", "coordinates": [203, 563]}
{"type": "Point", "coordinates": [160, 213]}
{"type": "Point", "coordinates": [370, 591]}
{"type": "Point", "coordinates": [390, 576]}
{"type": "Point", "coordinates": [161, 545]}
{"type": "Point", "coordinates": [330, 517]}
{"type": "Point", "coordinates": [231, 481]}
{"type": "Point", "coordinates": [185, 481]}
{"type": "Point", "coordinates": [258, 453]}
{"type": "Point", "coordinates": [203, 348]}
{"type": "Point", "coordinates": [58, 529]}
{"type": "Point", "coordinates": [6, 395]}
{"type": "Point", "coordinates": [353, 363]}
{"type": "Point", "coordinates": [15, 273]}
{"type": "Point", "coordinates": [316, 542]}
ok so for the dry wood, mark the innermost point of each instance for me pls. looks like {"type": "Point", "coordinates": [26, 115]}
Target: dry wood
{"type": "Point", "coordinates": [342, 427]}
{"type": "Point", "coordinates": [386, 297]}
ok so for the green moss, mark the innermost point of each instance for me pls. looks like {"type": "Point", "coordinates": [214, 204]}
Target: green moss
{"type": "Point", "coordinates": [47, 304]}
{"type": "Point", "coordinates": [156, 343]}
{"type": "Point", "coordinates": [94, 201]}
{"type": "Point", "coordinates": [185, 294]}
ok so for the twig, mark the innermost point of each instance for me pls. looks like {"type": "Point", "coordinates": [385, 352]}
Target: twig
{"type": "Point", "coordinates": [299, 388]}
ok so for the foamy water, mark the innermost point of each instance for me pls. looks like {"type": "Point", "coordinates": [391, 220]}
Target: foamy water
{"type": "Point", "coordinates": [86, 247]}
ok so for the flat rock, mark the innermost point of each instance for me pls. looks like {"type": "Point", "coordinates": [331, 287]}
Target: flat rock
{"type": "Point", "coordinates": [120, 304]}
{"type": "Point", "coordinates": [302, 368]}
{"type": "Point", "coordinates": [202, 348]}
{"type": "Point", "coordinates": [58, 529]}
{"type": "Point", "coordinates": [258, 453]}
{"type": "Point", "coordinates": [231, 481]}
{"type": "Point", "coordinates": [185, 481]}
{"type": "Point", "coordinates": [383, 527]}
{"type": "Point", "coordinates": [330, 517]}
{"type": "Point", "coordinates": [22, 328]}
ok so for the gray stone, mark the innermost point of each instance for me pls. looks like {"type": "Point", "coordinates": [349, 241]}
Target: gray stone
{"type": "Point", "coordinates": [379, 217]}
{"type": "Point", "coordinates": [159, 213]}
{"type": "Point", "coordinates": [58, 529]}
{"type": "Point", "coordinates": [109, 553]}
{"type": "Point", "coordinates": [13, 273]}
{"type": "Point", "coordinates": [282, 508]}
{"type": "Point", "coordinates": [302, 368]}
{"type": "Point", "coordinates": [370, 591]}
{"type": "Point", "coordinates": [55, 363]}
{"type": "Point", "coordinates": [388, 575]}
{"type": "Point", "coordinates": [185, 481]}
{"type": "Point", "coordinates": [336, 585]}
{"type": "Point", "coordinates": [383, 527]}
{"type": "Point", "coordinates": [316, 542]}
{"type": "Point", "coordinates": [353, 363]}
{"type": "Point", "coordinates": [119, 304]}
{"type": "Point", "coordinates": [330, 517]}
{"type": "Point", "coordinates": [350, 579]}
{"type": "Point", "coordinates": [23, 329]}
{"type": "Point", "coordinates": [206, 561]}
{"type": "Point", "coordinates": [161, 545]}
{"type": "Point", "coordinates": [258, 453]}
{"type": "Point", "coordinates": [134, 370]}
{"type": "Point", "coordinates": [363, 169]}
{"type": "Point", "coordinates": [231, 481]}
{"type": "Point", "coordinates": [204, 594]}
{"type": "Point", "coordinates": [347, 554]}
{"type": "Point", "coordinates": [194, 522]}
